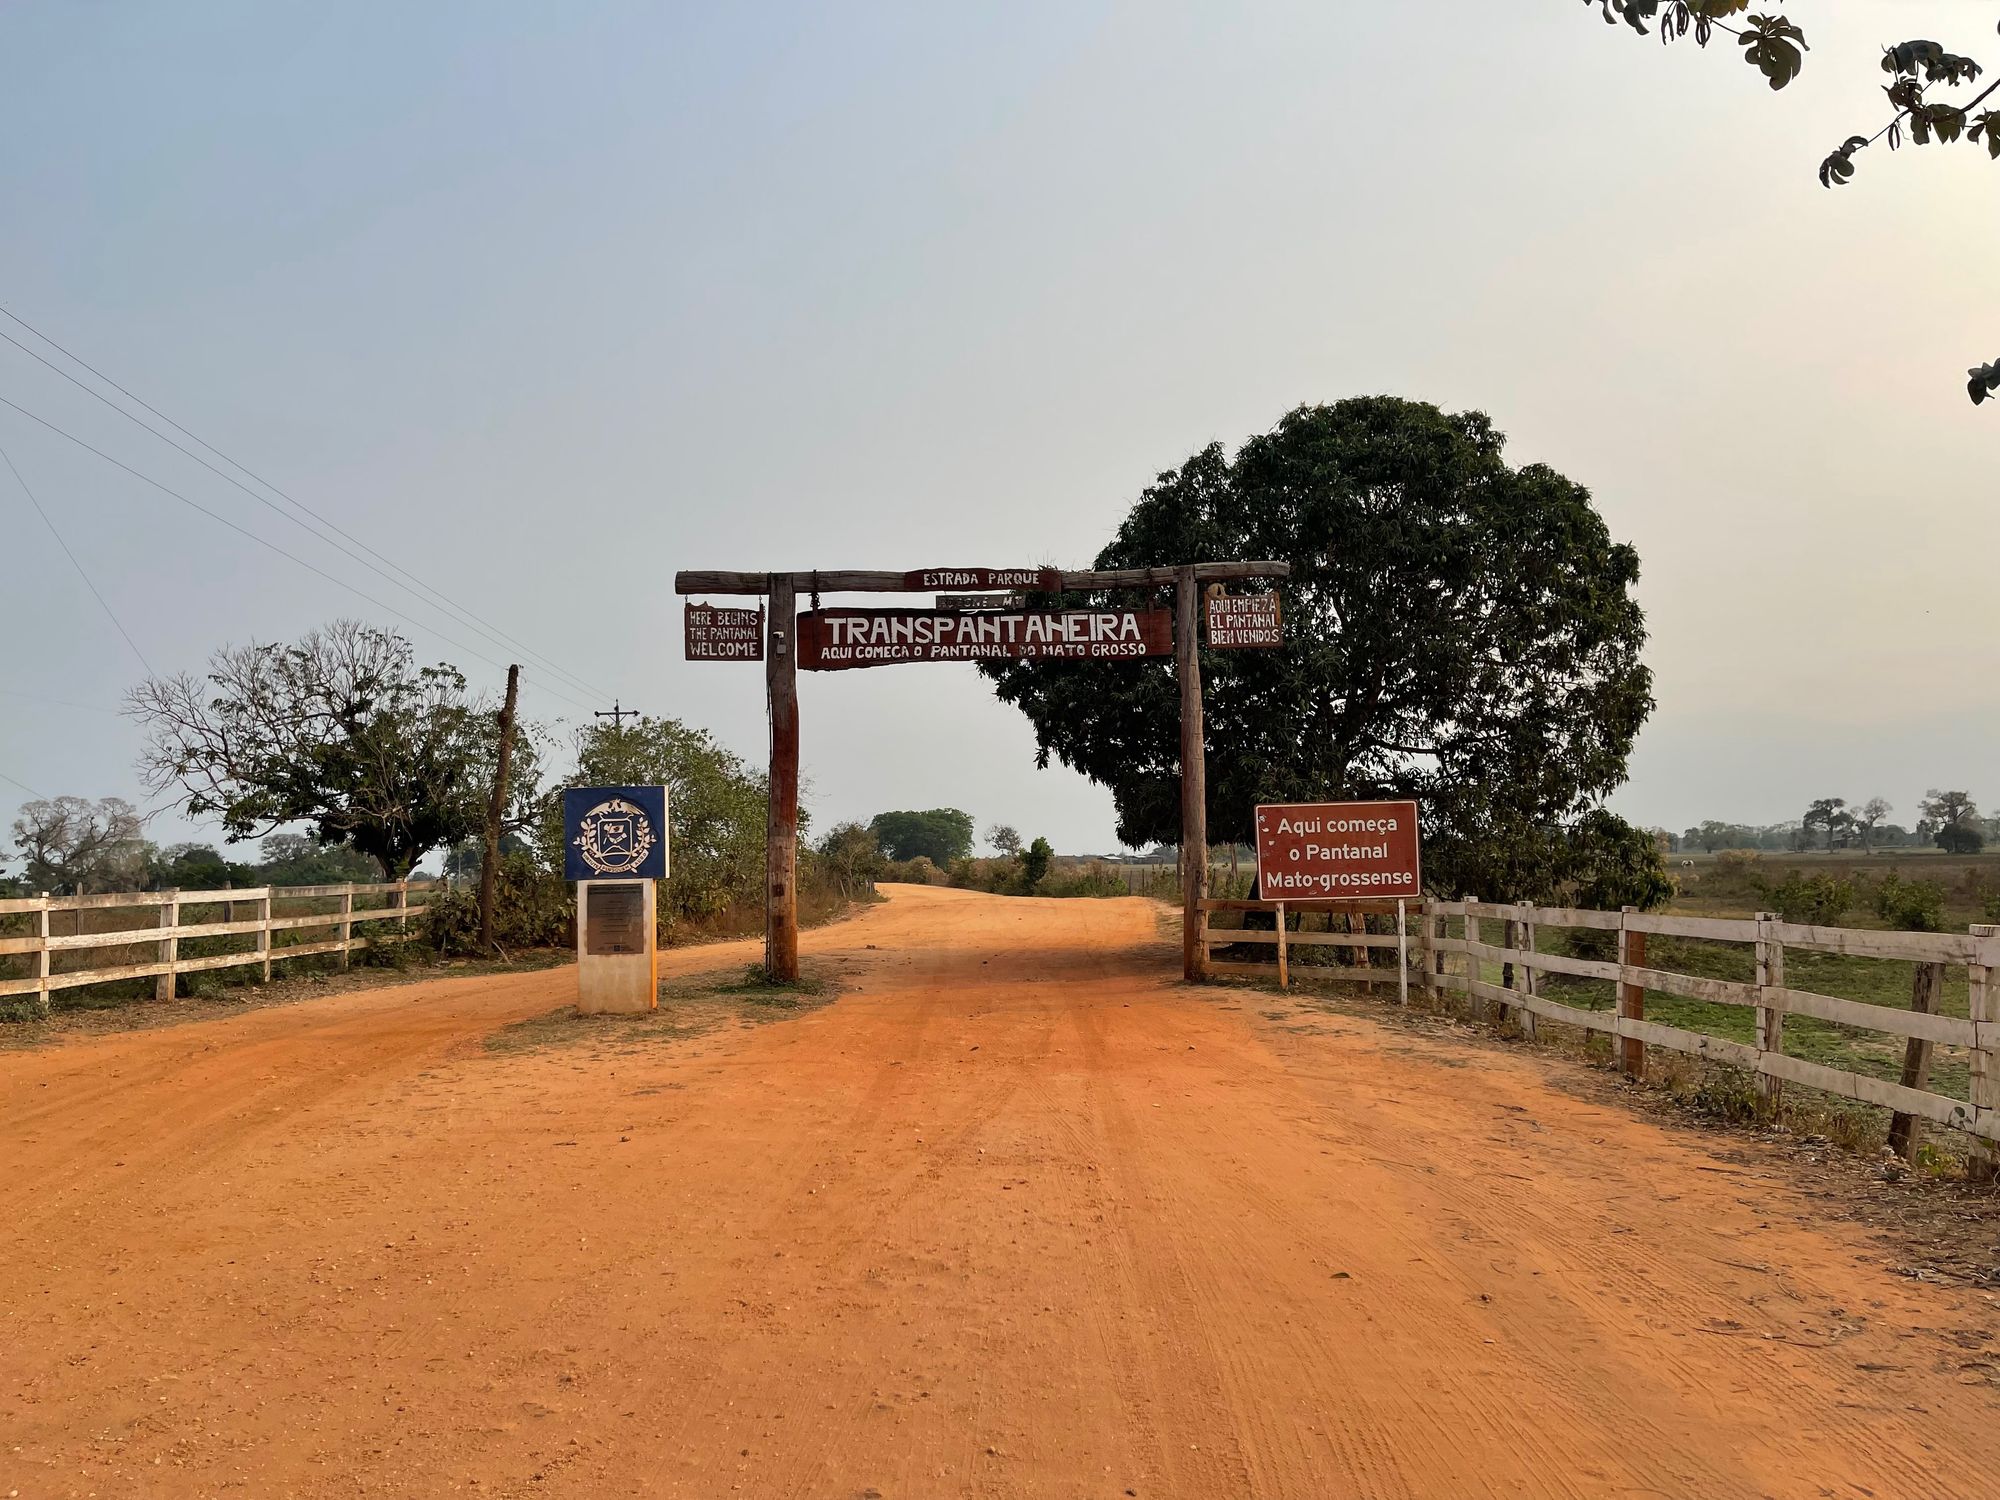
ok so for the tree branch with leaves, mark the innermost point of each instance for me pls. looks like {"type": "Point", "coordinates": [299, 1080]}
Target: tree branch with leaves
{"type": "Point", "coordinates": [1776, 48]}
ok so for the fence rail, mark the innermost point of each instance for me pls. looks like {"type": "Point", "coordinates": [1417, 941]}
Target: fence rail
{"type": "Point", "coordinates": [167, 932]}
{"type": "Point", "coordinates": [1523, 966]}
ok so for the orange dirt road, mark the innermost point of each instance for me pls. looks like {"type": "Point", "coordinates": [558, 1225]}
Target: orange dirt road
{"type": "Point", "coordinates": [1019, 1215]}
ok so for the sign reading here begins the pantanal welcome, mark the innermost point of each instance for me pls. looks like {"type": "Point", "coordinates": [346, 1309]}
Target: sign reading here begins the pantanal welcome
{"type": "Point", "coordinates": [1330, 851]}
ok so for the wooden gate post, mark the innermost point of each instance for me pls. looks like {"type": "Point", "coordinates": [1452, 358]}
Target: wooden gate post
{"type": "Point", "coordinates": [1194, 773]}
{"type": "Point", "coordinates": [1771, 1014]}
{"type": "Point", "coordinates": [1926, 985]}
{"type": "Point", "coordinates": [1474, 972]}
{"type": "Point", "coordinates": [1402, 953]}
{"type": "Point", "coordinates": [781, 829]}
{"type": "Point", "coordinates": [1985, 1014]}
{"type": "Point", "coordinates": [1523, 1017]}
{"type": "Point", "coordinates": [1631, 996]}
{"type": "Point", "coordinates": [1284, 969]}
{"type": "Point", "coordinates": [170, 947]}
{"type": "Point", "coordinates": [43, 1005]}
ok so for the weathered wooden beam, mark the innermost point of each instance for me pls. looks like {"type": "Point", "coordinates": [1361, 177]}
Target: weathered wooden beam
{"type": "Point", "coordinates": [877, 582]}
{"type": "Point", "coordinates": [1926, 985]}
{"type": "Point", "coordinates": [1631, 997]}
{"type": "Point", "coordinates": [781, 829]}
{"type": "Point", "coordinates": [1194, 773]}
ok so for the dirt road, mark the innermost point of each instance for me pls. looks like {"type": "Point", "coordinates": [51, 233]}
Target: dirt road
{"type": "Point", "coordinates": [1017, 1216]}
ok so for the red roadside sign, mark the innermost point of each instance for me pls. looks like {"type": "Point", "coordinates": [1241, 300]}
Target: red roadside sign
{"type": "Point", "coordinates": [1333, 851]}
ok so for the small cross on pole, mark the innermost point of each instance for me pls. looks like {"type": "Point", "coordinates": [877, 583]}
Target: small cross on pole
{"type": "Point", "coordinates": [616, 714]}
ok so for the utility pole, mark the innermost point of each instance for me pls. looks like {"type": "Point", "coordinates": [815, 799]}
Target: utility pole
{"type": "Point", "coordinates": [616, 714]}
{"type": "Point", "coordinates": [496, 807]}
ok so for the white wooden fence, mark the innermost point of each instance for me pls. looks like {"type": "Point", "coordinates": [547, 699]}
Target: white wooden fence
{"type": "Point", "coordinates": [1768, 995]}
{"type": "Point", "coordinates": [167, 931]}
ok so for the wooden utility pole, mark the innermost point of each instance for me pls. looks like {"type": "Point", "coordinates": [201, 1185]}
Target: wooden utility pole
{"type": "Point", "coordinates": [781, 826]}
{"type": "Point", "coordinates": [496, 809]}
{"type": "Point", "coordinates": [1194, 773]}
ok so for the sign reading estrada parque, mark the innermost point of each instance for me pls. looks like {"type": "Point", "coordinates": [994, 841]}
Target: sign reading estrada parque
{"type": "Point", "coordinates": [1332, 851]}
{"type": "Point", "coordinates": [833, 639]}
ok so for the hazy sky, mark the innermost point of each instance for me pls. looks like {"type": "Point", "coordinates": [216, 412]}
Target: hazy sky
{"type": "Point", "coordinates": [550, 301]}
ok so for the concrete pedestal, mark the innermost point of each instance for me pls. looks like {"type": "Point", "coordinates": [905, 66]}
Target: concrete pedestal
{"type": "Point", "coordinates": [617, 951]}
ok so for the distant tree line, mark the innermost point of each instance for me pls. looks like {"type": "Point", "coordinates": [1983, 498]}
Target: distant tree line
{"type": "Point", "coordinates": [1948, 820]}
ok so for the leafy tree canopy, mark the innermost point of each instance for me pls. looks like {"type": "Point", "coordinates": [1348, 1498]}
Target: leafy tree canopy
{"type": "Point", "coordinates": [715, 804]}
{"type": "Point", "coordinates": [71, 844]}
{"type": "Point", "coordinates": [1457, 630]}
{"type": "Point", "coordinates": [1916, 71]}
{"type": "Point", "coordinates": [940, 835]}
{"type": "Point", "coordinates": [343, 731]}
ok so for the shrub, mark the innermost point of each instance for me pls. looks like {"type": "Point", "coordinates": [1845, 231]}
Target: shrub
{"type": "Point", "coordinates": [531, 909]}
{"type": "Point", "coordinates": [1035, 862]}
{"type": "Point", "coordinates": [1821, 900]}
{"type": "Point", "coordinates": [1096, 879]}
{"type": "Point", "coordinates": [918, 871]}
{"type": "Point", "coordinates": [1910, 905]}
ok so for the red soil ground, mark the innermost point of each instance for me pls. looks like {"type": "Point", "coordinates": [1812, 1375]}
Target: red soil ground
{"type": "Point", "coordinates": [1018, 1215]}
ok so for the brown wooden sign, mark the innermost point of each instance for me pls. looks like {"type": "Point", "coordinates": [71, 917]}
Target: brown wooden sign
{"type": "Point", "coordinates": [928, 580]}
{"type": "Point", "coordinates": [724, 634]}
{"type": "Point", "coordinates": [833, 639]}
{"type": "Point", "coordinates": [1238, 620]}
{"type": "Point", "coordinates": [1327, 851]}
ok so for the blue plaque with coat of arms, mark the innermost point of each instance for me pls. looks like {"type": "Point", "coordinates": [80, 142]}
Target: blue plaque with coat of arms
{"type": "Point", "coordinates": [615, 833]}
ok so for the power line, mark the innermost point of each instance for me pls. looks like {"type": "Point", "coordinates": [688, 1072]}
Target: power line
{"type": "Point", "coordinates": [465, 616]}
{"type": "Point", "coordinates": [21, 784]}
{"type": "Point", "coordinates": [103, 603]}
{"type": "Point", "coordinates": [222, 520]}
{"type": "Point", "coordinates": [95, 708]}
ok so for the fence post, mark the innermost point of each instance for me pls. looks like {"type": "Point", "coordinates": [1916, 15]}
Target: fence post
{"type": "Point", "coordinates": [264, 932]}
{"type": "Point", "coordinates": [1770, 1013]}
{"type": "Point", "coordinates": [1631, 996]}
{"type": "Point", "coordinates": [1525, 1018]}
{"type": "Point", "coordinates": [1284, 971]}
{"type": "Point", "coordinates": [43, 1005]}
{"type": "Point", "coordinates": [346, 923]}
{"type": "Point", "coordinates": [1474, 1002]}
{"type": "Point", "coordinates": [399, 897]}
{"type": "Point", "coordinates": [1510, 939]}
{"type": "Point", "coordinates": [1925, 986]}
{"type": "Point", "coordinates": [1402, 953]}
{"type": "Point", "coordinates": [1985, 1164]}
{"type": "Point", "coordinates": [170, 946]}
{"type": "Point", "coordinates": [1429, 931]}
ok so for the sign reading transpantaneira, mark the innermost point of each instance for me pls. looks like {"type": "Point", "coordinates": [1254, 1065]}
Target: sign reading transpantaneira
{"type": "Point", "coordinates": [1337, 850]}
{"type": "Point", "coordinates": [724, 634]}
{"type": "Point", "coordinates": [831, 639]}
{"type": "Point", "coordinates": [1244, 620]}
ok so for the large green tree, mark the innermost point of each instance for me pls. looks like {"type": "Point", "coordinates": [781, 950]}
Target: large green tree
{"type": "Point", "coordinates": [715, 808]}
{"type": "Point", "coordinates": [940, 834]}
{"type": "Point", "coordinates": [342, 731]}
{"type": "Point", "coordinates": [1457, 630]}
